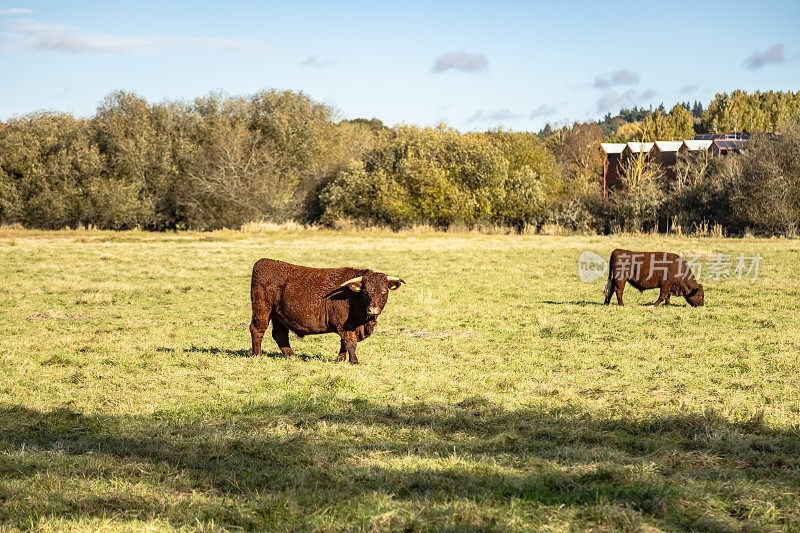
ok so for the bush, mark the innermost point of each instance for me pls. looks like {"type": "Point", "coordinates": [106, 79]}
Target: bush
{"type": "Point", "coordinates": [218, 162]}
{"type": "Point", "coordinates": [637, 205]}
{"type": "Point", "coordinates": [49, 171]}
{"type": "Point", "coordinates": [439, 177]}
{"type": "Point", "coordinates": [700, 193]}
{"type": "Point", "coordinates": [766, 183]}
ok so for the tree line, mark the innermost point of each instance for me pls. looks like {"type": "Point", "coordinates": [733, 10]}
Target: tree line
{"type": "Point", "coordinates": [222, 161]}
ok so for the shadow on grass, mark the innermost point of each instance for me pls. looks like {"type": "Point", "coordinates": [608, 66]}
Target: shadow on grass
{"type": "Point", "coordinates": [581, 303]}
{"type": "Point", "coordinates": [588, 303]}
{"type": "Point", "coordinates": [290, 460]}
{"type": "Point", "coordinates": [227, 352]}
{"type": "Point", "coordinates": [244, 352]}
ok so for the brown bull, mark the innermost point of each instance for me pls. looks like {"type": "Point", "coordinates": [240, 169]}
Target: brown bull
{"type": "Point", "coordinates": [308, 300]}
{"type": "Point", "coordinates": [670, 273]}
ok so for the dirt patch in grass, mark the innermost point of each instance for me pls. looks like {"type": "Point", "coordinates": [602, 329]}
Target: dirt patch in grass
{"type": "Point", "coordinates": [428, 334]}
{"type": "Point", "coordinates": [52, 314]}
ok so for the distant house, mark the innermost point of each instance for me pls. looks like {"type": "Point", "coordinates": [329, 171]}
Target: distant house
{"type": "Point", "coordinates": [721, 147]}
{"type": "Point", "coordinates": [612, 164]}
{"type": "Point", "coordinates": [725, 136]}
{"type": "Point", "coordinates": [636, 148]}
{"type": "Point", "coordinates": [724, 143]}
{"type": "Point", "coordinates": [696, 146]}
{"type": "Point", "coordinates": [665, 154]}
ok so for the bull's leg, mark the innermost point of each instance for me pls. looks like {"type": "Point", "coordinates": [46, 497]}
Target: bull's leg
{"type": "Point", "coordinates": [257, 329]}
{"type": "Point", "coordinates": [349, 341]}
{"type": "Point", "coordinates": [281, 335]}
{"type": "Point", "coordinates": [662, 295]}
{"type": "Point", "coordinates": [620, 286]}
{"type": "Point", "coordinates": [260, 321]}
{"type": "Point", "coordinates": [342, 351]}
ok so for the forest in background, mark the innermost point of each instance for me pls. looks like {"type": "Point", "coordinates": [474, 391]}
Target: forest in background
{"type": "Point", "coordinates": [222, 161]}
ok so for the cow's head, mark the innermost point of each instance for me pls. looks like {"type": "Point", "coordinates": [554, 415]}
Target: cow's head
{"type": "Point", "coordinates": [373, 287]}
{"type": "Point", "coordinates": [694, 295]}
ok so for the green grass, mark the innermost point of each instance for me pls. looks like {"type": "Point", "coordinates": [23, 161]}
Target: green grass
{"type": "Point", "coordinates": [496, 394]}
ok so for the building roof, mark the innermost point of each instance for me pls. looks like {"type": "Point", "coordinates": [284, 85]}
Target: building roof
{"type": "Point", "coordinates": [730, 144]}
{"type": "Point", "coordinates": [612, 148]}
{"type": "Point", "coordinates": [639, 147]}
{"type": "Point", "coordinates": [668, 146]}
{"type": "Point", "coordinates": [697, 144]}
{"type": "Point", "coordinates": [713, 136]}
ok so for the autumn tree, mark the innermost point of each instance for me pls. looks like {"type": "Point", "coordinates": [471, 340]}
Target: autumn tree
{"type": "Point", "coordinates": [580, 158]}
{"type": "Point", "coordinates": [677, 124]}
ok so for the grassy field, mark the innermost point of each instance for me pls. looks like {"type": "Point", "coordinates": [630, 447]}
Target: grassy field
{"type": "Point", "coordinates": [496, 394]}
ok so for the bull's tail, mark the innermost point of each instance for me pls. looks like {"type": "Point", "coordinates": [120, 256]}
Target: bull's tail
{"type": "Point", "coordinates": [607, 290]}
{"type": "Point", "coordinates": [609, 283]}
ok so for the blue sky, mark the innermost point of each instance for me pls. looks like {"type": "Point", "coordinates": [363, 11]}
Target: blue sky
{"type": "Point", "coordinates": [472, 65]}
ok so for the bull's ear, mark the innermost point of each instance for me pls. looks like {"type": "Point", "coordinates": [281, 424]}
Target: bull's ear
{"type": "Point", "coordinates": [684, 289]}
{"type": "Point", "coordinates": [394, 282]}
{"type": "Point", "coordinates": [355, 287]}
{"type": "Point", "coordinates": [353, 284]}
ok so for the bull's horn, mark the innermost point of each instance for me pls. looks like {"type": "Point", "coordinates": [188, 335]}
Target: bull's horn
{"type": "Point", "coordinates": [394, 282]}
{"type": "Point", "coordinates": [350, 281]}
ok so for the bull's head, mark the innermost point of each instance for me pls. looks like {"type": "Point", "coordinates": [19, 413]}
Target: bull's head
{"type": "Point", "coordinates": [695, 295]}
{"type": "Point", "coordinates": [373, 288]}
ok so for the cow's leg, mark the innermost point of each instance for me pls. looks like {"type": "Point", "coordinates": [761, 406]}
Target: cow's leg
{"type": "Point", "coordinates": [342, 351]}
{"type": "Point", "coordinates": [349, 341]}
{"type": "Point", "coordinates": [260, 321]}
{"type": "Point", "coordinates": [662, 295]}
{"type": "Point", "coordinates": [281, 335]}
{"type": "Point", "coordinates": [620, 286]}
{"type": "Point", "coordinates": [257, 329]}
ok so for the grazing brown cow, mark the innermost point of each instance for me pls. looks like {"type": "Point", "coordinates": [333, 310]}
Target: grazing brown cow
{"type": "Point", "coordinates": [308, 300]}
{"type": "Point", "coordinates": [648, 270]}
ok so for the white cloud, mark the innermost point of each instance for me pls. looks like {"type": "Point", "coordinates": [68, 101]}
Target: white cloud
{"type": "Point", "coordinates": [544, 110]}
{"type": "Point", "coordinates": [613, 101]}
{"type": "Point", "coordinates": [616, 78]}
{"type": "Point", "coordinates": [463, 61]}
{"type": "Point", "coordinates": [501, 115]}
{"type": "Point", "coordinates": [647, 94]}
{"type": "Point", "coordinates": [34, 35]}
{"type": "Point", "coordinates": [492, 116]}
{"type": "Point", "coordinates": [773, 55]}
{"type": "Point", "coordinates": [16, 11]}
{"type": "Point", "coordinates": [316, 62]}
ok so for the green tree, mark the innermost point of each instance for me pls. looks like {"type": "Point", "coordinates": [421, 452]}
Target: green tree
{"type": "Point", "coordinates": [49, 169]}
{"type": "Point", "coordinates": [135, 141]}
